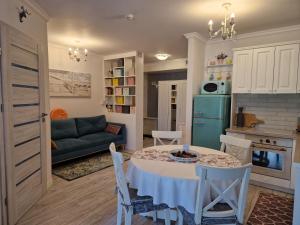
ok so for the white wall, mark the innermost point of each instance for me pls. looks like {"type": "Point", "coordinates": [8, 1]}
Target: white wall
{"type": "Point", "coordinates": [277, 111]}
{"type": "Point", "coordinates": [34, 26]}
{"type": "Point", "coordinates": [78, 107]}
{"type": "Point", "coordinates": [195, 71]}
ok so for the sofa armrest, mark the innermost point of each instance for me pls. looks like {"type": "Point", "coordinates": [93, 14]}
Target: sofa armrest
{"type": "Point", "coordinates": [122, 132]}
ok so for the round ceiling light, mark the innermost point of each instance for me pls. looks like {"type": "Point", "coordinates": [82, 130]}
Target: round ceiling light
{"type": "Point", "coordinates": [162, 56]}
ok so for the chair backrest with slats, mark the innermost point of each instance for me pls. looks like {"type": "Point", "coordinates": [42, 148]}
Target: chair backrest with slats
{"type": "Point", "coordinates": [237, 147]}
{"type": "Point", "coordinates": [171, 136]}
{"type": "Point", "coordinates": [120, 175]}
{"type": "Point", "coordinates": [212, 177]}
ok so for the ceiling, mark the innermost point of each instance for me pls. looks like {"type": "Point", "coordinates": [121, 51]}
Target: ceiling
{"type": "Point", "coordinates": [159, 25]}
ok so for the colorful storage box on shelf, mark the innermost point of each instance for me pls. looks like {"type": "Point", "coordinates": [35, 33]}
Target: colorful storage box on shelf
{"type": "Point", "coordinates": [109, 91]}
{"type": "Point", "coordinates": [125, 91]}
{"type": "Point", "coordinates": [130, 81]}
{"type": "Point", "coordinates": [118, 108]}
{"type": "Point", "coordinates": [132, 109]}
{"type": "Point", "coordinates": [119, 91]}
{"type": "Point", "coordinates": [118, 72]}
{"type": "Point", "coordinates": [115, 82]}
{"type": "Point", "coordinates": [108, 82]}
{"type": "Point", "coordinates": [119, 100]}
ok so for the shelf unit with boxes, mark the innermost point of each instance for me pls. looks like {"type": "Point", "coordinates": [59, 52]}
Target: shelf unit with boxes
{"type": "Point", "coordinates": [120, 85]}
{"type": "Point", "coordinates": [123, 76]}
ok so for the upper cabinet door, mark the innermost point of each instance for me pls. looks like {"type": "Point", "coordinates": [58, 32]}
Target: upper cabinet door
{"type": "Point", "coordinates": [286, 66]}
{"type": "Point", "coordinates": [263, 70]}
{"type": "Point", "coordinates": [298, 83]}
{"type": "Point", "coordinates": [242, 65]}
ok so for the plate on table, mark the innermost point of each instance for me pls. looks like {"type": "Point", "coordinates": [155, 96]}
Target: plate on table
{"type": "Point", "coordinates": [179, 155]}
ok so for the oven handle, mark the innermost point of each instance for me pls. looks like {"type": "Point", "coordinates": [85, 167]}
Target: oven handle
{"type": "Point", "coordinates": [271, 147]}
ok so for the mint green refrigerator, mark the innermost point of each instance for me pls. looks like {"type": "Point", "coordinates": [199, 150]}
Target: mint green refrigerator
{"type": "Point", "coordinates": [211, 116]}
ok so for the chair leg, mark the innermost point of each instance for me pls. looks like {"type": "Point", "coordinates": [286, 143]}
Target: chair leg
{"type": "Point", "coordinates": [120, 211]}
{"type": "Point", "coordinates": [128, 216]}
{"type": "Point", "coordinates": [179, 218]}
{"type": "Point", "coordinates": [167, 217]}
{"type": "Point", "coordinates": [154, 215]}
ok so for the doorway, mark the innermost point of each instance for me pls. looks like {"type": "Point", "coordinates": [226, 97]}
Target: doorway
{"type": "Point", "coordinates": [153, 98]}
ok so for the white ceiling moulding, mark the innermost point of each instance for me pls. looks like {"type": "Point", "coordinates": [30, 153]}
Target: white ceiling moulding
{"type": "Point", "coordinates": [196, 35]}
{"type": "Point", "coordinates": [38, 9]}
{"type": "Point", "coordinates": [258, 34]}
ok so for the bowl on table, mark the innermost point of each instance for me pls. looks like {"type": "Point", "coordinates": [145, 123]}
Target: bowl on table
{"type": "Point", "coordinates": [179, 155]}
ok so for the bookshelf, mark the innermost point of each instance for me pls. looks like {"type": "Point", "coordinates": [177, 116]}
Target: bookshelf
{"type": "Point", "coordinates": [120, 85]}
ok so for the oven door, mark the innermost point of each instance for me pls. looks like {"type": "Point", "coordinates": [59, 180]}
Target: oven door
{"type": "Point", "coordinates": [272, 161]}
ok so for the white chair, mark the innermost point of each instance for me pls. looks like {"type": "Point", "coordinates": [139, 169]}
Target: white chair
{"type": "Point", "coordinates": [128, 198]}
{"type": "Point", "coordinates": [237, 147]}
{"type": "Point", "coordinates": [171, 136]}
{"type": "Point", "coordinates": [229, 212]}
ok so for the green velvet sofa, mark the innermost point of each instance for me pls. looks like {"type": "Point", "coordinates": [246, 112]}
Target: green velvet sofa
{"type": "Point", "coordinates": [77, 137]}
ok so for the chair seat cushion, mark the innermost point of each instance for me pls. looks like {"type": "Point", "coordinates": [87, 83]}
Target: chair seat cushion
{"type": "Point", "coordinates": [143, 204]}
{"type": "Point", "coordinates": [101, 138]}
{"type": "Point", "coordinates": [189, 218]}
{"type": "Point", "coordinates": [70, 144]}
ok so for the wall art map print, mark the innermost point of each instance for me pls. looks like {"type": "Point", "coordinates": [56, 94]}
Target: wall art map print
{"type": "Point", "coordinates": [69, 84]}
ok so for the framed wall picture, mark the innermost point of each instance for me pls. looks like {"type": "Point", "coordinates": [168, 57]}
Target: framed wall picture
{"type": "Point", "coordinates": [69, 84]}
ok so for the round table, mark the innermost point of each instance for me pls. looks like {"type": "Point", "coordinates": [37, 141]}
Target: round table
{"type": "Point", "coordinates": [152, 173]}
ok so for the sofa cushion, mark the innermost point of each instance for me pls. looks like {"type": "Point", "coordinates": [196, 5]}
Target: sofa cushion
{"type": "Point", "coordinates": [89, 125]}
{"type": "Point", "coordinates": [63, 129]}
{"type": "Point", "coordinates": [101, 138]}
{"type": "Point", "coordinates": [71, 144]}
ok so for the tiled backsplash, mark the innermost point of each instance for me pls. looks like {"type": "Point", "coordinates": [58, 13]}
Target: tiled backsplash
{"type": "Point", "coordinates": [277, 111]}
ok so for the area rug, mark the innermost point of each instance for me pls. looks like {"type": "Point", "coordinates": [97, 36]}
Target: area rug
{"type": "Point", "coordinates": [271, 209]}
{"type": "Point", "coordinates": [85, 166]}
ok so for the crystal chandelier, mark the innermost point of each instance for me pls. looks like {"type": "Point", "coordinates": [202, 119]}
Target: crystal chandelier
{"type": "Point", "coordinates": [226, 29]}
{"type": "Point", "coordinates": [78, 54]}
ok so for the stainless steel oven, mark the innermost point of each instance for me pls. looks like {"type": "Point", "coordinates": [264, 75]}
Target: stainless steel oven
{"type": "Point", "coordinates": [272, 158]}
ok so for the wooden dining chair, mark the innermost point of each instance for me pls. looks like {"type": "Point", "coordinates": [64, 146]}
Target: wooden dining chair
{"type": "Point", "coordinates": [221, 210]}
{"type": "Point", "coordinates": [128, 200]}
{"type": "Point", "coordinates": [171, 136]}
{"type": "Point", "coordinates": [237, 147]}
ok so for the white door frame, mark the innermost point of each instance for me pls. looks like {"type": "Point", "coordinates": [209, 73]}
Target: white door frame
{"type": "Point", "coordinates": [3, 209]}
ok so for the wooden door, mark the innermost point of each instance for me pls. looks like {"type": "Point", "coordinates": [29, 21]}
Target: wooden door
{"type": "Point", "coordinates": [286, 68]}
{"type": "Point", "coordinates": [164, 108]}
{"type": "Point", "coordinates": [263, 70]}
{"type": "Point", "coordinates": [24, 128]}
{"type": "Point", "coordinates": [242, 68]}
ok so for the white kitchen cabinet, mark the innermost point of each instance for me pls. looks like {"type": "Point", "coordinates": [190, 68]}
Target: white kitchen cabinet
{"type": "Point", "coordinates": [286, 68]}
{"type": "Point", "coordinates": [242, 67]}
{"type": "Point", "coordinates": [263, 70]}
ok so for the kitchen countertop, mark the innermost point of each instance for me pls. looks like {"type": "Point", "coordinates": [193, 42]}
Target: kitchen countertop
{"type": "Point", "coordinates": [272, 133]}
{"type": "Point", "coordinates": [264, 132]}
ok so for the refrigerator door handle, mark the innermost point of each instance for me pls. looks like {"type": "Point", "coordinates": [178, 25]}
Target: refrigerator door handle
{"type": "Point", "coordinates": [199, 123]}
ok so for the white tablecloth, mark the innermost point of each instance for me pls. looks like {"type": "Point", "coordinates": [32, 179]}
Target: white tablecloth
{"type": "Point", "coordinates": [167, 182]}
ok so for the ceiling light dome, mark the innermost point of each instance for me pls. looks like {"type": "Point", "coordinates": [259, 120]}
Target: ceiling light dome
{"type": "Point", "coordinates": [162, 56]}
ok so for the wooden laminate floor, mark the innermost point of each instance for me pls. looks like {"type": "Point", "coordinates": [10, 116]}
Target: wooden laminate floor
{"type": "Point", "coordinates": [89, 200]}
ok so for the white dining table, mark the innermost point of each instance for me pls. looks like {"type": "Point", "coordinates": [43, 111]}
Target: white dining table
{"type": "Point", "coordinates": [153, 173]}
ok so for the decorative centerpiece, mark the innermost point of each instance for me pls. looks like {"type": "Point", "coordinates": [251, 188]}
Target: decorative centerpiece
{"type": "Point", "coordinates": [184, 155]}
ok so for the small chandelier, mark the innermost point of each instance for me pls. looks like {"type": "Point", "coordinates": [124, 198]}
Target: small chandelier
{"type": "Point", "coordinates": [78, 54]}
{"type": "Point", "coordinates": [226, 29]}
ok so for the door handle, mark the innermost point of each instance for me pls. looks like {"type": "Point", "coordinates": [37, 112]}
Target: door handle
{"type": "Point", "coordinates": [44, 115]}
